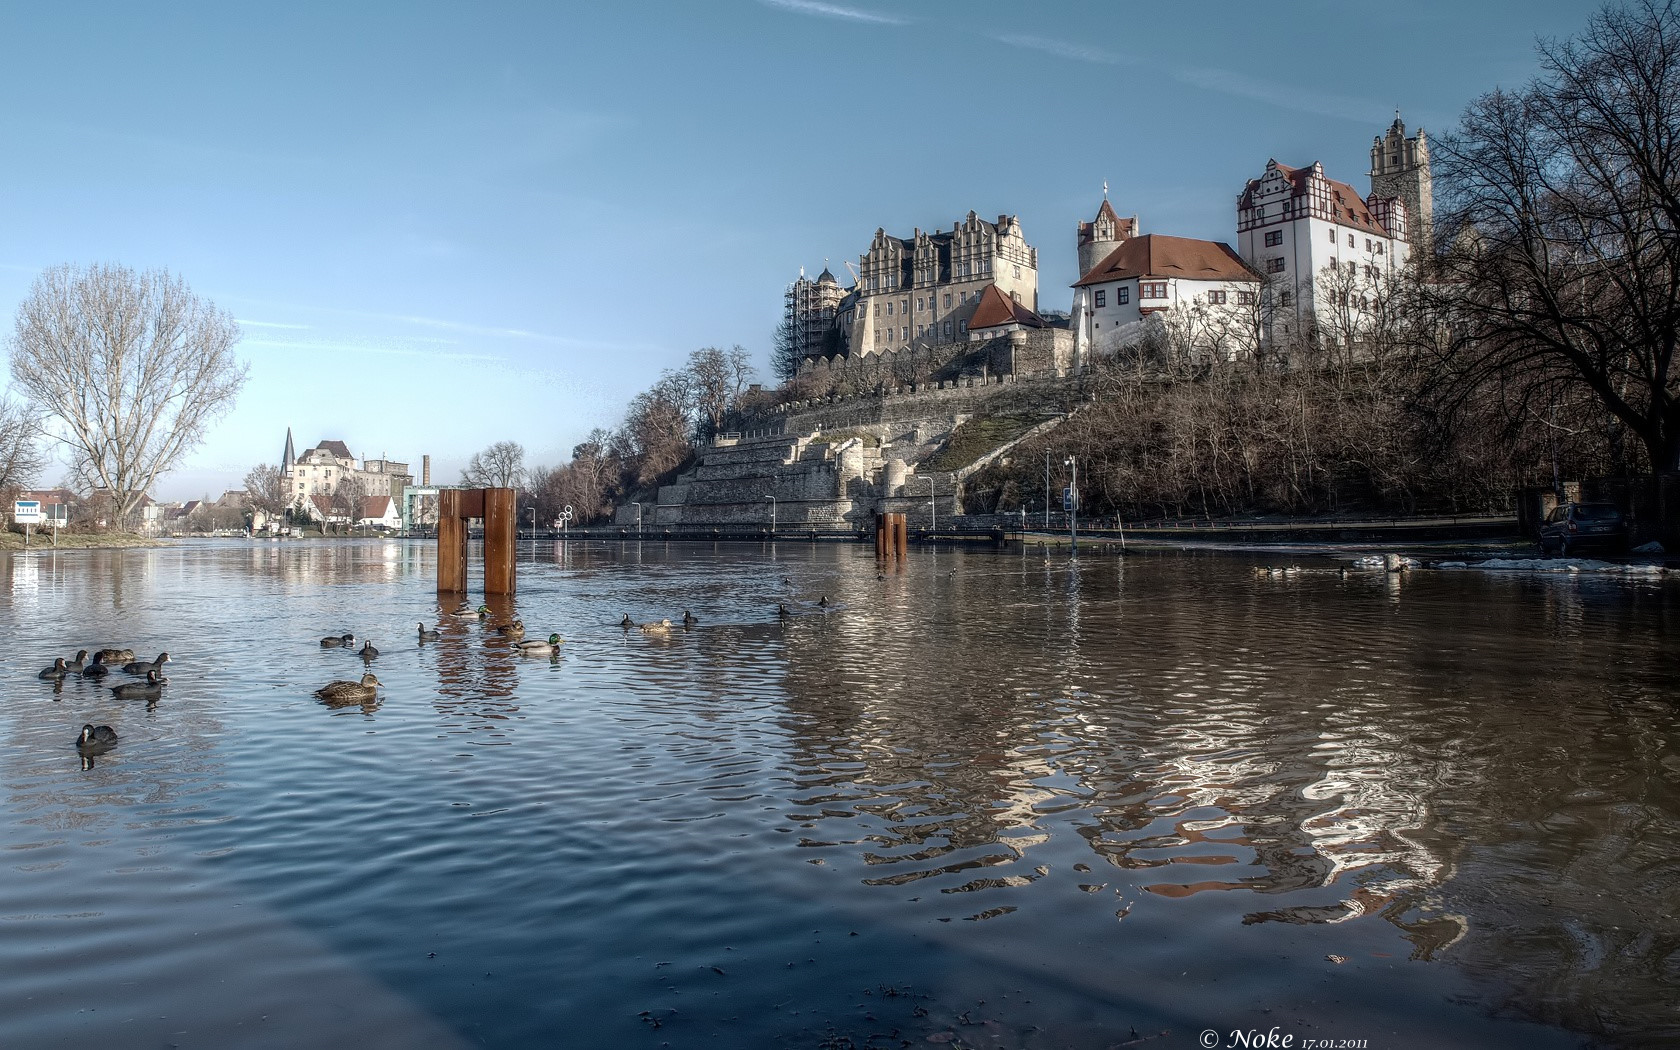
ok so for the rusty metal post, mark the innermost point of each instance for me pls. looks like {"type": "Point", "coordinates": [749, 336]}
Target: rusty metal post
{"type": "Point", "coordinates": [501, 540]}
{"type": "Point", "coordinates": [451, 544]}
{"type": "Point", "coordinates": [881, 537]}
{"type": "Point", "coordinates": [901, 535]}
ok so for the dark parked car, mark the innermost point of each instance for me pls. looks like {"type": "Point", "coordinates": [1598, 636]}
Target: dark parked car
{"type": "Point", "coordinates": [1582, 526]}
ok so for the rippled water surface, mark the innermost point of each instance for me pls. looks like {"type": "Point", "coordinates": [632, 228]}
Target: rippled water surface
{"type": "Point", "coordinates": [987, 800]}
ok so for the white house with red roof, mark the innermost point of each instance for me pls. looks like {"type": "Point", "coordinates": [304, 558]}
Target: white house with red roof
{"type": "Point", "coordinates": [1152, 274]}
{"type": "Point", "coordinates": [379, 512]}
{"type": "Point", "coordinates": [1313, 238]}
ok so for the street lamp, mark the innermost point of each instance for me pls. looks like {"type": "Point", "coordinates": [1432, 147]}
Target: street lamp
{"type": "Point", "coordinates": [772, 500]}
{"type": "Point", "coordinates": [932, 506]}
{"type": "Point", "coordinates": [638, 507]}
{"type": "Point", "coordinates": [1073, 505]}
{"type": "Point", "coordinates": [565, 520]}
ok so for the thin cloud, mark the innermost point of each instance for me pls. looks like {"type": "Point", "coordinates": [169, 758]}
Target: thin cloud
{"type": "Point", "coordinates": [365, 348]}
{"type": "Point", "coordinates": [823, 10]}
{"type": "Point", "coordinates": [1062, 49]}
{"type": "Point", "coordinates": [1318, 104]}
{"type": "Point", "coordinates": [269, 324]}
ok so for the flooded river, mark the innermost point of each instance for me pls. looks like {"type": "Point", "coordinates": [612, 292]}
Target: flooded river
{"type": "Point", "coordinates": [993, 799]}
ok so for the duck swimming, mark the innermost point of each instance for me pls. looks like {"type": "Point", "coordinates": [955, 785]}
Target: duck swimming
{"type": "Point", "coordinates": [58, 670]}
{"type": "Point", "coordinates": [142, 666]}
{"type": "Point", "coordinates": [75, 666]}
{"type": "Point", "coordinates": [781, 610]}
{"type": "Point", "coordinates": [689, 619]}
{"type": "Point", "coordinates": [627, 623]}
{"type": "Point", "coordinates": [537, 647]}
{"type": "Point", "coordinates": [514, 630]}
{"type": "Point", "coordinates": [151, 688]}
{"type": "Point", "coordinates": [465, 613]}
{"type": "Point", "coordinates": [823, 601]}
{"type": "Point", "coordinates": [428, 636]}
{"type": "Point", "coordinates": [334, 641]}
{"type": "Point", "coordinates": [662, 627]}
{"type": "Point", "coordinates": [97, 669]}
{"type": "Point", "coordinates": [96, 738]}
{"type": "Point", "coordinates": [368, 652]}
{"type": "Point", "coordinates": [349, 692]}
{"type": "Point", "coordinates": [115, 656]}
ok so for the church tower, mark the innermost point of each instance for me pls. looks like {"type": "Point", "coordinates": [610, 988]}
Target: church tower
{"type": "Point", "coordinates": [1103, 234]}
{"type": "Point", "coordinates": [288, 457]}
{"type": "Point", "coordinates": [1400, 168]}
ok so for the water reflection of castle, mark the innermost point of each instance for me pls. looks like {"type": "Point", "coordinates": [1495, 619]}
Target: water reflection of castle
{"type": "Point", "coordinates": [963, 749]}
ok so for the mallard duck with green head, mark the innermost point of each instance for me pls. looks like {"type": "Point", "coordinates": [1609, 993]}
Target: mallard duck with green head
{"type": "Point", "coordinates": [538, 647]}
{"type": "Point", "coordinates": [335, 693]}
{"type": "Point", "coordinates": [464, 613]}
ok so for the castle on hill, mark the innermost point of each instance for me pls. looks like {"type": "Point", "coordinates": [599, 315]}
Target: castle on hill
{"type": "Point", "coordinates": [1311, 258]}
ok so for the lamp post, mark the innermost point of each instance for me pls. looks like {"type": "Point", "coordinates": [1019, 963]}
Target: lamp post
{"type": "Point", "coordinates": [772, 500]}
{"type": "Point", "coordinates": [1046, 490]}
{"type": "Point", "coordinates": [638, 507]}
{"type": "Point", "coordinates": [565, 521]}
{"type": "Point", "coordinates": [1073, 506]}
{"type": "Point", "coordinates": [933, 508]}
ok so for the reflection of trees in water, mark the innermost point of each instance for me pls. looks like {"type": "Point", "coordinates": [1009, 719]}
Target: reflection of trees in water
{"type": "Point", "coordinates": [1345, 749]}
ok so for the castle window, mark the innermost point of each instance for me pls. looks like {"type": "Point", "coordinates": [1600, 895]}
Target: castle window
{"type": "Point", "coordinates": [1379, 248]}
{"type": "Point", "coordinates": [1152, 290]}
{"type": "Point", "coordinates": [1332, 236]}
{"type": "Point", "coordinates": [921, 304]}
{"type": "Point", "coordinates": [1245, 298]}
{"type": "Point", "coordinates": [1284, 298]}
{"type": "Point", "coordinates": [1017, 273]}
{"type": "Point", "coordinates": [1367, 244]}
{"type": "Point", "coordinates": [1216, 298]}
{"type": "Point", "coordinates": [889, 309]}
{"type": "Point", "coordinates": [947, 306]}
{"type": "Point", "coordinates": [1102, 299]}
{"type": "Point", "coordinates": [947, 325]}
{"type": "Point", "coordinates": [962, 326]}
{"type": "Point", "coordinates": [904, 333]}
{"type": "Point", "coordinates": [1122, 296]}
{"type": "Point", "coordinates": [920, 330]}
{"type": "Point", "coordinates": [1274, 238]}
{"type": "Point", "coordinates": [1350, 240]}
{"type": "Point", "coordinates": [1274, 264]}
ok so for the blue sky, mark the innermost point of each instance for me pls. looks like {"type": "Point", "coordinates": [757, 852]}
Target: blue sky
{"type": "Point", "coordinates": [444, 225]}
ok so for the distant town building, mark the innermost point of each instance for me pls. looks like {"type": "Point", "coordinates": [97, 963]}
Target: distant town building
{"type": "Point", "coordinates": [1103, 234]}
{"type": "Point", "coordinates": [324, 469]}
{"type": "Point", "coordinates": [810, 308]}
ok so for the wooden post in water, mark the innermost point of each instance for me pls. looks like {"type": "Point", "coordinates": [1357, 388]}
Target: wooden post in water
{"type": "Point", "coordinates": [881, 543]}
{"type": "Point", "coordinates": [451, 543]}
{"type": "Point", "coordinates": [456, 507]}
{"type": "Point", "coordinates": [901, 536]}
{"type": "Point", "coordinates": [501, 540]}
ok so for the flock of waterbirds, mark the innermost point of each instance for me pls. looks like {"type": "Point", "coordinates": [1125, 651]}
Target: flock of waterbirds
{"type": "Point", "coordinates": [96, 739]}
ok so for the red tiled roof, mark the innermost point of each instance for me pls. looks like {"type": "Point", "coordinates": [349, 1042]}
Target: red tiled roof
{"type": "Point", "coordinates": [1155, 255]}
{"type": "Point", "coordinates": [1350, 209]}
{"type": "Point", "coordinates": [375, 506]}
{"type": "Point", "coordinates": [996, 308]}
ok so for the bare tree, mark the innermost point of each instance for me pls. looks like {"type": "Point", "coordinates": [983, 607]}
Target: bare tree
{"type": "Point", "coordinates": [502, 465]}
{"type": "Point", "coordinates": [132, 366]}
{"type": "Point", "coordinates": [265, 487]}
{"type": "Point", "coordinates": [346, 500]}
{"type": "Point", "coordinates": [21, 458]}
{"type": "Point", "coordinates": [1570, 186]}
